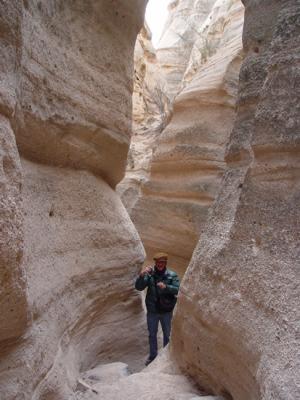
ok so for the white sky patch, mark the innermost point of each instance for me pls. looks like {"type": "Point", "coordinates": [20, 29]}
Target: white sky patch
{"type": "Point", "coordinates": [156, 16]}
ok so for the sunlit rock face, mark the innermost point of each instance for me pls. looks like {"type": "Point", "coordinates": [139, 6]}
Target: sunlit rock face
{"type": "Point", "coordinates": [75, 105]}
{"type": "Point", "coordinates": [235, 329]}
{"type": "Point", "coordinates": [178, 38]}
{"type": "Point", "coordinates": [69, 251]}
{"type": "Point", "coordinates": [188, 158]}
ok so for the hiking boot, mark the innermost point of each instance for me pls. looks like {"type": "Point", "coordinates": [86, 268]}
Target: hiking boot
{"type": "Point", "coordinates": [149, 360]}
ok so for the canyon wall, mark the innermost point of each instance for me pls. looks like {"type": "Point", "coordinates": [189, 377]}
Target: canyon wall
{"type": "Point", "coordinates": [185, 21]}
{"type": "Point", "coordinates": [187, 158]}
{"type": "Point", "coordinates": [69, 251]}
{"type": "Point", "coordinates": [13, 303]}
{"type": "Point", "coordinates": [236, 330]}
{"type": "Point", "coordinates": [151, 111]}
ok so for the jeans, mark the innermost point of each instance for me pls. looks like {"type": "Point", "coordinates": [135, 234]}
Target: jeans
{"type": "Point", "coordinates": [152, 322]}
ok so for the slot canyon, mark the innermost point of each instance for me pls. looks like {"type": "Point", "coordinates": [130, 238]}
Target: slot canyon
{"type": "Point", "coordinates": [112, 150]}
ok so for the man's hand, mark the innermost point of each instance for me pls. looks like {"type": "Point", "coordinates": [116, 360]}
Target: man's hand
{"type": "Point", "coordinates": [145, 271]}
{"type": "Point", "coordinates": [161, 285]}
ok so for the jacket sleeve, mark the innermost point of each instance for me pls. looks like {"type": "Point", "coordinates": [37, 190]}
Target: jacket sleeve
{"type": "Point", "coordinates": [173, 288]}
{"type": "Point", "coordinates": [141, 282]}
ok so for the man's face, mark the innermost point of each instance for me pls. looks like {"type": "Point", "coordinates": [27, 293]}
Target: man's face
{"type": "Point", "coordinates": [161, 264]}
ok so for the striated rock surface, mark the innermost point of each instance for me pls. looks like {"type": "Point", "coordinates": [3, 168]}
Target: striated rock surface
{"type": "Point", "coordinates": [69, 251]}
{"type": "Point", "coordinates": [65, 102]}
{"type": "Point", "coordinates": [13, 303]}
{"type": "Point", "coordinates": [151, 111]}
{"type": "Point", "coordinates": [188, 159]}
{"type": "Point", "coordinates": [81, 254]}
{"type": "Point", "coordinates": [178, 38]}
{"type": "Point", "coordinates": [75, 90]}
{"type": "Point", "coordinates": [236, 328]}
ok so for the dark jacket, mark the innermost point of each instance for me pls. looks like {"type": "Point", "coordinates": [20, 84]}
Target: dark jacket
{"type": "Point", "coordinates": [169, 278]}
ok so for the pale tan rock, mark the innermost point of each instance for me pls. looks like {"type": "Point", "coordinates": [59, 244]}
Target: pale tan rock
{"type": "Point", "coordinates": [76, 84]}
{"type": "Point", "coordinates": [13, 303]}
{"type": "Point", "coordinates": [161, 379]}
{"type": "Point", "coordinates": [236, 325]}
{"type": "Point", "coordinates": [211, 75]}
{"type": "Point", "coordinates": [66, 73]}
{"type": "Point", "coordinates": [80, 262]}
{"type": "Point", "coordinates": [151, 112]}
{"type": "Point", "coordinates": [176, 43]}
{"type": "Point", "coordinates": [107, 373]}
{"type": "Point", "coordinates": [188, 159]}
{"type": "Point", "coordinates": [235, 330]}
{"type": "Point", "coordinates": [14, 313]}
{"type": "Point", "coordinates": [149, 97]}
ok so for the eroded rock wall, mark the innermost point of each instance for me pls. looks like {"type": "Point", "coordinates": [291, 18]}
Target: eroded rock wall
{"type": "Point", "coordinates": [236, 326]}
{"type": "Point", "coordinates": [151, 111]}
{"type": "Point", "coordinates": [66, 85]}
{"type": "Point", "coordinates": [13, 302]}
{"type": "Point", "coordinates": [81, 254]}
{"type": "Point", "coordinates": [178, 38]}
{"type": "Point", "coordinates": [188, 158]}
{"type": "Point", "coordinates": [75, 90]}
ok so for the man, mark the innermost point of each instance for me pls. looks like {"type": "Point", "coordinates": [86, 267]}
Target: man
{"type": "Point", "coordinates": [162, 287]}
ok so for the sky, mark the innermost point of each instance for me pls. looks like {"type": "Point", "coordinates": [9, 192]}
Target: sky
{"type": "Point", "coordinates": [156, 15]}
